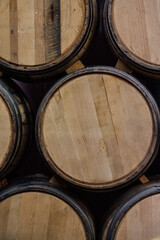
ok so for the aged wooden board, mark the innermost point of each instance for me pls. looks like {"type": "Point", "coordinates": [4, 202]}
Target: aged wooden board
{"type": "Point", "coordinates": [132, 28]}
{"type": "Point", "coordinates": [96, 128]}
{"type": "Point", "coordinates": [40, 34]}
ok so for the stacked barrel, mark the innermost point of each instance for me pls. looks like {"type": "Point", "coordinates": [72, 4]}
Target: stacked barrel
{"type": "Point", "coordinates": [97, 128]}
{"type": "Point", "coordinates": [132, 30]}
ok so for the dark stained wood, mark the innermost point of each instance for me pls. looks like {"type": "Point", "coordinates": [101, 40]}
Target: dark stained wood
{"type": "Point", "coordinates": [52, 32]}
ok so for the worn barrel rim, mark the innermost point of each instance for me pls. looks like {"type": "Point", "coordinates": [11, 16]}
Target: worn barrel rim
{"type": "Point", "coordinates": [151, 153]}
{"type": "Point", "coordinates": [55, 66]}
{"type": "Point", "coordinates": [124, 204]}
{"type": "Point", "coordinates": [11, 102]}
{"type": "Point", "coordinates": [35, 184]}
{"type": "Point", "coordinates": [144, 67]}
{"type": "Point", "coordinates": [15, 127]}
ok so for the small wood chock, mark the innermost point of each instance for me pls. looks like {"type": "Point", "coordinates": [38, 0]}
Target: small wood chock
{"type": "Point", "coordinates": [122, 66]}
{"type": "Point", "coordinates": [76, 66]}
{"type": "Point", "coordinates": [54, 180]}
{"type": "Point", "coordinates": [144, 179]}
{"type": "Point", "coordinates": [3, 183]}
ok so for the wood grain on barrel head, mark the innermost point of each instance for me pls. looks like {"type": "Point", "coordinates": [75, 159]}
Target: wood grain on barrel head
{"type": "Point", "coordinates": [141, 222]}
{"type": "Point", "coordinates": [38, 31]}
{"type": "Point", "coordinates": [39, 216]}
{"type": "Point", "coordinates": [137, 25]}
{"type": "Point", "coordinates": [96, 129]}
{"type": "Point", "coordinates": [5, 130]}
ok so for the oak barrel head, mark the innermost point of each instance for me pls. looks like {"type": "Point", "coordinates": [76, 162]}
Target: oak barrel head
{"type": "Point", "coordinates": [98, 128]}
{"type": "Point", "coordinates": [34, 209]}
{"type": "Point", "coordinates": [136, 215]}
{"type": "Point", "coordinates": [40, 38]}
{"type": "Point", "coordinates": [132, 29]}
{"type": "Point", "coordinates": [6, 129]}
{"type": "Point", "coordinates": [15, 126]}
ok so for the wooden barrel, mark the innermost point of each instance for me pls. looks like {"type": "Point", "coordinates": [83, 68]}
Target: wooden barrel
{"type": "Point", "coordinates": [132, 29]}
{"type": "Point", "coordinates": [34, 209]}
{"type": "Point", "coordinates": [40, 38]}
{"type": "Point", "coordinates": [136, 215]}
{"type": "Point", "coordinates": [98, 128]}
{"type": "Point", "coordinates": [15, 126]}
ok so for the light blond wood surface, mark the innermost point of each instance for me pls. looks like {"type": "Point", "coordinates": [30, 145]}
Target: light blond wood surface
{"type": "Point", "coordinates": [5, 130]}
{"type": "Point", "coordinates": [137, 26]}
{"type": "Point", "coordinates": [96, 129]}
{"type": "Point", "coordinates": [38, 31]}
{"type": "Point", "coordinates": [141, 222]}
{"type": "Point", "coordinates": [72, 18]}
{"type": "Point", "coordinates": [39, 216]}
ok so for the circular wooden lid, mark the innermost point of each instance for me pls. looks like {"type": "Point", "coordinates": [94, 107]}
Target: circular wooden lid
{"type": "Point", "coordinates": [34, 215]}
{"type": "Point", "coordinates": [141, 222]}
{"type": "Point", "coordinates": [135, 215]}
{"type": "Point", "coordinates": [40, 34]}
{"type": "Point", "coordinates": [133, 31]}
{"type": "Point", "coordinates": [6, 126]}
{"type": "Point", "coordinates": [96, 128]}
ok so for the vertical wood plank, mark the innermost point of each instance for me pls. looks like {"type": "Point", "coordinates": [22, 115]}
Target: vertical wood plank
{"type": "Point", "coordinates": [152, 19]}
{"type": "Point", "coordinates": [88, 129]}
{"type": "Point", "coordinates": [43, 208]}
{"type": "Point", "coordinates": [72, 19]}
{"type": "Point", "coordinates": [39, 32]}
{"type": "Point", "coordinates": [52, 30]}
{"type": "Point", "coordinates": [109, 139]}
{"type": "Point", "coordinates": [13, 217]}
{"type": "Point", "coordinates": [4, 30]}
{"type": "Point", "coordinates": [27, 216]}
{"type": "Point", "coordinates": [4, 213]}
{"type": "Point", "coordinates": [14, 31]}
{"type": "Point", "coordinates": [26, 32]}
